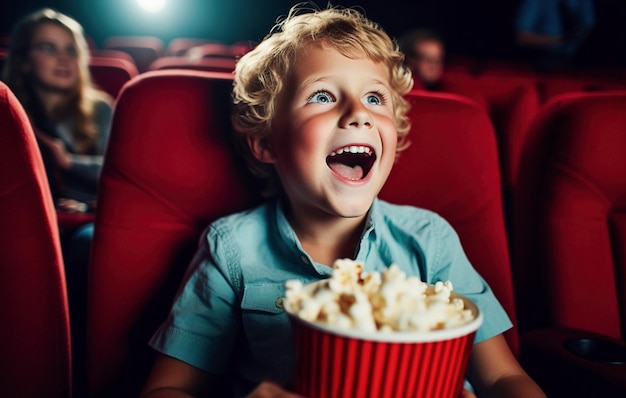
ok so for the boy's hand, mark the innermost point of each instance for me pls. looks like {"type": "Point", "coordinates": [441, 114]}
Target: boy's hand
{"type": "Point", "coordinates": [271, 390]}
{"type": "Point", "coordinates": [467, 394]}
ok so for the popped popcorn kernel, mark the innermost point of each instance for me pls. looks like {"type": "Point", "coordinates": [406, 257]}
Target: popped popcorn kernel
{"type": "Point", "coordinates": [386, 302]}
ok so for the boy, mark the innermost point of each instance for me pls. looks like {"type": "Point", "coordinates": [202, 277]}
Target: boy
{"type": "Point", "coordinates": [320, 117]}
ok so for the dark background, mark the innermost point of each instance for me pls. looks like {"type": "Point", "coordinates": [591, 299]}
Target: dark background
{"type": "Point", "coordinates": [479, 28]}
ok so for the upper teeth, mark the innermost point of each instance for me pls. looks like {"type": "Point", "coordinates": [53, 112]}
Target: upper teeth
{"type": "Point", "coordinates": [351, 149]}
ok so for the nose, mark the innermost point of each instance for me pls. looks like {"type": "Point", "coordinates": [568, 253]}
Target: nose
{"type": "Point", "coordinates": [356, 115]}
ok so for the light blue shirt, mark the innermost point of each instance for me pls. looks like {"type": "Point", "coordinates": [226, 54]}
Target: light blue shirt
{"type": "Point", "coordinates": [228, 315]}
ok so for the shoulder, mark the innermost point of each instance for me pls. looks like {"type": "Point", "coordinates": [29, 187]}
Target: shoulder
{"type": "Point", "coordinates": [413, 227]}
{"type": "Point", "coordinates": [246, 222]}
{"type": "Point", "coordinates": [103, 104]}
{"type": "Point", "coordinates": [410, 217]}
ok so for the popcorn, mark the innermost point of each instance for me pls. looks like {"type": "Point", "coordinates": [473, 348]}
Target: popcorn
{"type": "Point", "coordinates": [387, 301]}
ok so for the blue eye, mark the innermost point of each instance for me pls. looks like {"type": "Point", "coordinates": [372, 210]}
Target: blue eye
{"type": "Point", "coordinates": [321, 97]}
{"type": "Point", "coordinates": [375, 99]}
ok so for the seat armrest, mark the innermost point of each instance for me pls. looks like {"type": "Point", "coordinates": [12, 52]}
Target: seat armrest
{"type": "Point", "coordinates": [71, 221]}
{"type": "Point", "coordinates": [571, 362]}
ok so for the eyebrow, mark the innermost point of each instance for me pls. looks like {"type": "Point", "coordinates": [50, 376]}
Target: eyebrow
{"type": "Point", "coordinates": [322, 79]}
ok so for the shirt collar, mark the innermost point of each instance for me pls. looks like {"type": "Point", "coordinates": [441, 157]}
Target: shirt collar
{"type": "Point", "coordinates": [289, 237]}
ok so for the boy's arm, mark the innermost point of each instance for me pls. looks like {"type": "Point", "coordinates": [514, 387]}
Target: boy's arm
{"type": "Point", "coordinates": [495, 372]}
{"type": "Point", "coordinates": [173, 378]}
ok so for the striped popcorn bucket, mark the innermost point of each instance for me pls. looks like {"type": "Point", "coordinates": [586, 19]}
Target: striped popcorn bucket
{"type": "Point", "coordinates": [332, 363]}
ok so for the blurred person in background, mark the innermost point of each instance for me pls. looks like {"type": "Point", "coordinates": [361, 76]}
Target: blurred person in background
{"type": "Point", "coordinates": [424, 52]}
{"type": "Point", "coordinates": [552, 31]}
{"type": "Point", "coordinates": [47, 69]}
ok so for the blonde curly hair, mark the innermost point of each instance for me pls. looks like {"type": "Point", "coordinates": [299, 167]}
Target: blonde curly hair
{"type": "Point", "coordinates": [259, 74]}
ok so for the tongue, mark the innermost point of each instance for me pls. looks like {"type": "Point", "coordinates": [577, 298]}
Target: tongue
{"type": "Point", "coordinates": [351, 173]}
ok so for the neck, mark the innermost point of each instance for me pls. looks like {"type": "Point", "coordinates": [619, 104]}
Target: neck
{"type": "Point", "coordinates": [51, 99]}
{"type": "Point", "coordinates": [326, 237]}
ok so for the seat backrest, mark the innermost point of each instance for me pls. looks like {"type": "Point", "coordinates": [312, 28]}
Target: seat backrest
{"type": "Point", "coordinates": [551, 86]}
{"type": "Point", "coordinates": [168, 172]}
{"type": "Point", "coordinates": [110, 74]}
{"type": "Point", "coordinates": [109, 53]}
{"type": "Point", "coordinates": [570, 214]}
{"type": "Point", "coordinates": [210, 50]}
{"type": "Point", "coordinates": [143, 49]}
{"type": "Point", "coordinates": [178, 46]}
{"type": "Point", "coordinates": [35, 357]}
{"type": "Point", "coordinates": [216, 64]}
{"type": "Point", "coordinates": [451, 167]}
{"type": "Point", "coordinates": [511, 102]}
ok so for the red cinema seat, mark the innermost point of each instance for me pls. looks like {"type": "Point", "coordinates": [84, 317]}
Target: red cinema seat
{"type": "Point", "coordinates": [3, 56]}
{"type": "Point", "coordinates": [451, 167]}
{"type": "Point", "coordinates": [511, 102]}
{"type": "Point", "coordinates": [110, 74]}
{"type": "Point", "coordinates": [108, 53]}
{"type": "Point", "coordinates": [553, 85]}
{"type": "Point", "coordinates": [143, 49]}
{"type": "Point", "coordinates": [36, 355]}
{"type": "Point", "coordinates": [168, 172]}
{"type": "Point", "coordinates": [240, 48]}
{"type": "Point", "coordinates": [179, 45]}
{"type": "Point", "coordinates": [225, 64]}
{"type": "Point", "coordinates": [210, 50]}
{"type": "Point", "coordinates": [569, 241]}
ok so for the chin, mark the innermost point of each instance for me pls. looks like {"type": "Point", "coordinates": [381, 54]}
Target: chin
{"type": "Point", "coordinates": [352, 209]}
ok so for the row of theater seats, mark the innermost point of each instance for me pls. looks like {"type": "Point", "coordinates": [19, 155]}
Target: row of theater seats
{"type": "Point", "coordinates": [140, 54]}
{"type": "Point", "coordinates": [559, 271]}
{"type": "Point", "coordinates": [511, 92]}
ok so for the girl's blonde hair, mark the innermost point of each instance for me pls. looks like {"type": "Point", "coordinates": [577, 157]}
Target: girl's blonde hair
{"type": "Point", "coordinates": [81, 101]}
{"type": "Point", "coordinates": [259, 73]}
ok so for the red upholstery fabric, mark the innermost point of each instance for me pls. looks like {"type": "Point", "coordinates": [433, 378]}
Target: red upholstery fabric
{"type": "Point", "coordinates": [35, 355]}
{"type": "Point", "coordinates": [210, 50]}
{"type": "Point", "coordinates": [206, 64]}
{"type": "Point", "coordinates": [168, 172]}
{"type": "Point", "coordinates": [179, 45]}
{"type": "Point", "coordinates": [551, 86]}
{"type": "Point", "coordinates": [511, 102]}
{"type": "Point", "coordinates": [108, 53]}
{"type": "Point", "coordinates": [110, 74]}
{"type": "Point", "coordinates": [452, 168]}
{"type": "Point", "coordinates": [143, 49]}
{"type": "Point", "coordinates": [570, 223]}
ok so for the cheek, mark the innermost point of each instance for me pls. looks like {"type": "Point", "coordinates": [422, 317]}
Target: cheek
{"type": "Point", "coordinates": [38, 67]}
{"type": "Point", "coordinates": [389, 137]}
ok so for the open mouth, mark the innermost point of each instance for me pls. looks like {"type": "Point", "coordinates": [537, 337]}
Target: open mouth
{"type": "Point", "coordinates": [352, 162]}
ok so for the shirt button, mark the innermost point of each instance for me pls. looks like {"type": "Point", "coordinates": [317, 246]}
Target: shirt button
{"type": "Point", "coordinates": [280, 302]}
{"type": "Point", "coordinates": [305, 260]}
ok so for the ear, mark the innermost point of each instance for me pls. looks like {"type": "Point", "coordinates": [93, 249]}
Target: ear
{"type": "Point", "coordinates": [261, 148]}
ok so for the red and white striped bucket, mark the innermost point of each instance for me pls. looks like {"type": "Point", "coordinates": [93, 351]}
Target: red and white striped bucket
{"type": "Point", "coordinates": [338, 363]}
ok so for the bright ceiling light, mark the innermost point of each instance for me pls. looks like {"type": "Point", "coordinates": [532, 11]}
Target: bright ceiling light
{"type": "Point", "coordinates": [151, 5]}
